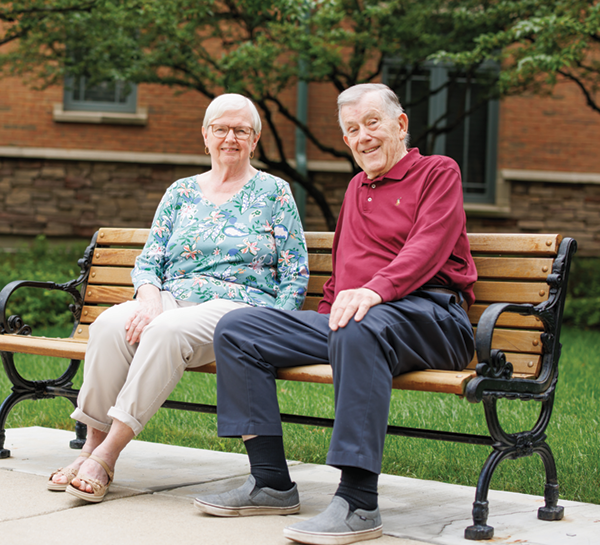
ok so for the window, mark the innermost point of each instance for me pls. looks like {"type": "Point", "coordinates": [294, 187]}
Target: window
{"type": "Point", "coordinates": [450, 114]}
{"type": "Point", "coordinates": [104, 97]}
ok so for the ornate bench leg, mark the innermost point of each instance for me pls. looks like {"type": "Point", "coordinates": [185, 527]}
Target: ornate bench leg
{"type": "Point", "coordinates": [80, 436]}
{"type": "Point", "coordinates": [4, 452]}
{"type": "Point", "coordinates": [480, 530]}
{"type": "Point", "coordinates": [551, 511]}
{"type": "Point", "coordinates": [11, 400]}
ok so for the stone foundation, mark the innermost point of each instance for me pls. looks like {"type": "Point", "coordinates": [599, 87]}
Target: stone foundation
{"type": "Point", "coordinates": [60, 198]}
{"type": "Point", "coordinates": [572, 210]}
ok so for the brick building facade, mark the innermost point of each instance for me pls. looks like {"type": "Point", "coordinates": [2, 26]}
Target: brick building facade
{"type": "Point", "coordinates": [66, 173]}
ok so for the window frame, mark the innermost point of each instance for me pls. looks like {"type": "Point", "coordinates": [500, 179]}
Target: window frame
{"type": "Point", "coordinates": [70, 104]}
{"type": "Point", "coordinates": [437, 105]}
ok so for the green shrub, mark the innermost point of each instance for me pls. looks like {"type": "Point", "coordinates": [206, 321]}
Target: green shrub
{"type": "Point", "coordinates": [41, 261]}
{"type": "Point", "coordinates": [584, 277]}
{"type": "Point", "coordinates": [582, 307]}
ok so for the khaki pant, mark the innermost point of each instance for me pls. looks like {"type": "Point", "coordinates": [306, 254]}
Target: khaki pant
{"type": "Point", "coordinates": [130, 383]}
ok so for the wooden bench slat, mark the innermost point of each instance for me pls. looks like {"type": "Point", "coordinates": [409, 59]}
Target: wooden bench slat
{"type": "Point", "coordinates": [319, 240]}
{"type": "Point", "coordinates": [516, 340]}
{"type": "Point", "coordinates": [114, 276]}
{"type": "Point", "coordinates": [513, 268]}
{"type": "Point", "coordinates": [508, 319]}
{"type": "Point", "coordinates": [511, 243]}
{"type": "Point", "coordinates": [90, 313]}
{"type": "Point", "coordinates": [319, 263]}
{"type": "Point", "coordinates": [43, 346]}
{"type": "Point", "coordinates": [311, 303]}
{"type": "Point", "coordinates": [82, 333]}
{"type": "Point", "coordinates": [123, 236]}
{"type": "Point", "coordinates": [108, 294]}
{"type": "Point", "coordinates": [125, 257]}
{"type": "Point", "coordinates": [511, 292]}
{"type": "Point", "coordinates": [117, 257]}
{"type": "Point", "coordinates": [316, 283]}
{"type": "Point", "coordinates": [514, 243]}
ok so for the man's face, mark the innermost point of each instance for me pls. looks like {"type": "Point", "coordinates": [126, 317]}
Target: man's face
{"type": "Point", "coordinates": [375, 138]}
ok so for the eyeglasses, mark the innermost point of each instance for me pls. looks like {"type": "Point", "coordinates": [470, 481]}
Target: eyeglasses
{"type": "Point", "coordinates": [241, 133]}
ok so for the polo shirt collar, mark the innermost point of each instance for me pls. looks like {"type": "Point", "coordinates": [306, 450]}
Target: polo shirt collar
{"type": "Point", "coordinates": [399, 170]}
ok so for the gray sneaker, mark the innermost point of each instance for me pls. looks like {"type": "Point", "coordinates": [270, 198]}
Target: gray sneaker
{"type": "Point", "coordinates": [337, 525]}
{"type": "Point", "coordinates": [249, 500]}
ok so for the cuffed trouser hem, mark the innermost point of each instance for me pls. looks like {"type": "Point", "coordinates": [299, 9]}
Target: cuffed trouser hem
{"type": "Point", "coordinates": [340, 458]}
{"type": "Point", "coordinates": [80, 416]}
{"type": "Point", "coordinates": [237, 430]}
{"type": "Point", "coordinates": [127, 419]}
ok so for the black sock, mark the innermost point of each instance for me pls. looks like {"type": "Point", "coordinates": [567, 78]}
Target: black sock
{"type": "Point", "coordinates": [358, 487]}
{"type": "Point", "coordinates": [267, 462]}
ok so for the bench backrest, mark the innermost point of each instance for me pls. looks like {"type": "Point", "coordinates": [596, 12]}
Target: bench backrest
{"type": "Point", "coordinates": [512, 268]}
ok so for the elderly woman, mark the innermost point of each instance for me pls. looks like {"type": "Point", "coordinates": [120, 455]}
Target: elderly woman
{"type": "Point", "coordinates": [225, 239]}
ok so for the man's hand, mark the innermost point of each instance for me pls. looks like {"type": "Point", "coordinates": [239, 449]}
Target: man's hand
{"type": "Point", "coordinates": [149, 307]}
{"type": "Point", "coordinates": [350, 303]}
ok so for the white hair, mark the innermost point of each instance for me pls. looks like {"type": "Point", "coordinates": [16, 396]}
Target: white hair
{"type": "Point", "coordinates": [231, 102]}
{"type": "Point", "coordinates": [354, 94]}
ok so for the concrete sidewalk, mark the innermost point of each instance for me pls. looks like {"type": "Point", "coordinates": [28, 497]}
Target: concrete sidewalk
{"type": "Point", "coordinates": [150, 502]}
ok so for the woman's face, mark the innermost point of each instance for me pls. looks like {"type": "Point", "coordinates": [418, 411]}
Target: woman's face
{"type": "Point", "coordinates": [230, 149]}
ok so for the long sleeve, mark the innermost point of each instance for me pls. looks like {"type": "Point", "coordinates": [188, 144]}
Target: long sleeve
{"type": "Point", "coordinates": [150, 264]}
{"type": "Point", "coordinates": [292, 256]}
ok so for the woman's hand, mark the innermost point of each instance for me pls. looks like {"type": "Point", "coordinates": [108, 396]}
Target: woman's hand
{"type": "Point", "coordinates": [149, 307]}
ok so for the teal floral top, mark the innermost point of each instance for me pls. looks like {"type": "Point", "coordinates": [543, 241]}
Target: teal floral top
{"type": "Point", "coordinates": [250, 249]}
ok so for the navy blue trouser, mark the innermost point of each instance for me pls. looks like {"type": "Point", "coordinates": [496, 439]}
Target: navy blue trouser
{"type": "Point", "coordinates": [421, 331]}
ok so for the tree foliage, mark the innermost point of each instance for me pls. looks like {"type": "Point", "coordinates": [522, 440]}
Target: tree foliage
{"type": "Point", "coordinates": [261, 48]}
{"type": "Point", "coordinates": [544, 41]}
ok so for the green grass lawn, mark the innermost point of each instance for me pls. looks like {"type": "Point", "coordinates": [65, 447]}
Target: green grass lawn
{"type": "Point", "coordinates": [573, 434]}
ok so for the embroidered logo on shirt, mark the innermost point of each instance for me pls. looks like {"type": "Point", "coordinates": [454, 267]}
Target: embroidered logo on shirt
{"type": "Point", "coordinates": [398, 201]}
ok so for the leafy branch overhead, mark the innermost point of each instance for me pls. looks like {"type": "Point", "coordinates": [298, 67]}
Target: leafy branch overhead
{"type": "Point", "coordinates": [542, 42]}
{"type": "Point", "coordinates": [261, 48]}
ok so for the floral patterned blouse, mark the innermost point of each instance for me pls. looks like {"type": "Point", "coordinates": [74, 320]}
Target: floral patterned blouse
{"type": "Point", "coordinates": [249, 249]}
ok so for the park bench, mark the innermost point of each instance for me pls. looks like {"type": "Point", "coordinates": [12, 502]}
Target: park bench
{"type": "Point", "coordinates": [517, 319]}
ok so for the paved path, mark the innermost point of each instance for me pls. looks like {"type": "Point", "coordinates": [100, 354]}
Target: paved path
{"type": "Point", "coordinates": [150, 502]}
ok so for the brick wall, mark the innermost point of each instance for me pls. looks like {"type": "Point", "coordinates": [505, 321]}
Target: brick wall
{"type": "Point", "coordinates": [557, 132]}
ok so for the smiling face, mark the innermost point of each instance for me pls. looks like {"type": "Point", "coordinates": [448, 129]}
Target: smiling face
{"type": "Point", "coordinates": [229, 150]}
{"type": "Point", "coordinates": [375, 138]}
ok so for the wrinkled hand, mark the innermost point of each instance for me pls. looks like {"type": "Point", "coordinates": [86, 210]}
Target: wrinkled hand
{"type": "Point", "coordinates": [149, 307]}
{"type": "Point", "coordinates": [350, 303]}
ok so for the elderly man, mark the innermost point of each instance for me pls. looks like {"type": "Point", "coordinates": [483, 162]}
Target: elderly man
{"type": "Point", "coordinates": [402, 278]}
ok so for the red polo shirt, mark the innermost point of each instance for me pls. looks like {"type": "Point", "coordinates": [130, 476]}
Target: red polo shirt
{"type": "Point", "coordinates": [402, 230]}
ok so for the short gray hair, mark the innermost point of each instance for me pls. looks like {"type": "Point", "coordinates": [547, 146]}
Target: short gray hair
{"type": "Point", "coordinates": [231, 102]}
{"type": "Point", "coordinates": [354, 94]}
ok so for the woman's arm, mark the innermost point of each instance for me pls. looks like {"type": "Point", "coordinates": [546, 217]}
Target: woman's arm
{"type": "Point", "coordinates": [292, 256]}
{"type": "Point", "coordinates": [150, 264]}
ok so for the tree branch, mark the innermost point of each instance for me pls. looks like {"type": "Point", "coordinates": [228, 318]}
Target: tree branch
{"type": "Point", "coordinates": [588, 96]}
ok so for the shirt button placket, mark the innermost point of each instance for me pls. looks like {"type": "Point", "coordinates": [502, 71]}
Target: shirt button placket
{"type": "Point", "coordinates": [369, 206]}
